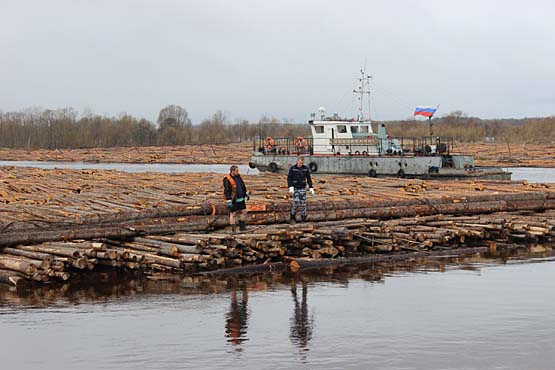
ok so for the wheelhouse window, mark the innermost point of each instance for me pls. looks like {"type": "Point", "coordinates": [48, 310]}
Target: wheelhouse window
{"type": "Point", "coordinates": [342, 129]}
{"type": "Point", "coordinates": [354, 129]}
{"type": "Point", "coordinates": [319, 129]}
{"type": "Point", "coordinates": [363, 129]}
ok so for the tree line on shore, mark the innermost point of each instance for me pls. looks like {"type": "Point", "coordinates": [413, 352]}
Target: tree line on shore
{"type": "Point", "coordinates": [458, 125]}
{"type": "Point", "coordinates": [67, 129]}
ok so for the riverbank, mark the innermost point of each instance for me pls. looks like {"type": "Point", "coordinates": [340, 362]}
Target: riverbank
{"type": "Point", "coordinates": [182, 154]}
{"type": "Point", "coordinates": [510, 155]}
{"type": "Point", "coordinates": [486, 154]}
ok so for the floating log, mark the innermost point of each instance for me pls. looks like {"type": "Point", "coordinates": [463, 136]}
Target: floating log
{"type": "Point", "coordinates": [12, 278]}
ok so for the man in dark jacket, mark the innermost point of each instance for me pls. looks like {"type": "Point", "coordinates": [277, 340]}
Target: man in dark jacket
{"type": "Point", "coordinates": [297, 179]}
{"type": "Point", "coordinates": [235, 193]}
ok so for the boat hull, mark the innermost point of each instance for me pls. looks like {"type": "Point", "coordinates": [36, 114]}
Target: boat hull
{"type": "Point", "coordinates": [432, 167]}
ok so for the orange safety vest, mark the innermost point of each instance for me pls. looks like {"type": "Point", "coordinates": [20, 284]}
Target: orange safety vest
{"type": "Point", "coordinates": [233, 187]}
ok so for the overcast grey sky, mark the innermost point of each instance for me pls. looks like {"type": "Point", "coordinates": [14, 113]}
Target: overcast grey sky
{"type": "Point", "coordinates": [491, 59]}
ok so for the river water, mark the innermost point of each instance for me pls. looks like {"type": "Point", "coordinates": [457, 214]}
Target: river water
{"type": "Point", "coordinates": [132, 167]}
{"type": "Point", "coordinates": [474, 313]}
{"type": "Point", "coordinates": [523, 173]}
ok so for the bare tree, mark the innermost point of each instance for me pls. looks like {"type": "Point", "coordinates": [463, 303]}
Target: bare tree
{"type": "Point", "coordinates": [174, 125]}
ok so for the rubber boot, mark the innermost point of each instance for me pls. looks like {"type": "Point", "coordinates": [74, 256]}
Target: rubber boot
{"type": "Point", "coordinates": [242, 226]}
{"type": "Point", "coordinates": [233, 229]}
{"type": "Point", "coordinates": [292, 219]}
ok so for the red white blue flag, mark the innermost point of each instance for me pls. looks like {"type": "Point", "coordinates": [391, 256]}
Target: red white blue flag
{"type": "Point", "coordinates": [425, 111]}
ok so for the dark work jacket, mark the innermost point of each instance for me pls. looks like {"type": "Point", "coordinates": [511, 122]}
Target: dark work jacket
{"type": "Point", "coordinates": [299, 176]}
{"type": "Point", "coordinates": [233, 192]}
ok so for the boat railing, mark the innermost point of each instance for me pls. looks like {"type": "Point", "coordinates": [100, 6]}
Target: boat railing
{"type": "Point", "coordinates": [421, 146]}
{"type": "Point", "coordinates": [283, 146]}
{"type": "Point", "coordinates": [427, 145]}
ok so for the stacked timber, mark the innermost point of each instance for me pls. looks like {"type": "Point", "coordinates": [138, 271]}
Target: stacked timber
{"type": "Point", "coordinates": [183, 154]}
{"type": "Point", "coordinates": [511, 155]}
{"type": "Point", "coordinates": [179, 224]}
{"type": "Point", "coordinates": [486, 154]}
{"type": "Point", "coordinates": [194, 252]}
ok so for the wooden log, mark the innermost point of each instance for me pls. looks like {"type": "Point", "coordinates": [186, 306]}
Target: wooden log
{"type": "Point", "coordinates": [66, 252]}
{"type": "Point", "coordinates": [181, 239]}
{"type": "Point", "coordinates": [161, 244]}
{"type": "Point", "coordinates": [35, 237]}
{"type": "Point", "coordinates": [86, 245]}
{"type": "Point", "coordinates": [20, 264]}
{"type": "Point", "coordinates": [108, 254]}
{"type": "Point", "coordinates": [40, 276]}
{"type": "Point", "coordinates": [62, 275]}
{"type": "Point", "coordinates": [12, 278]}
{"type": "Point", "coordinates": [80, 262]}
{"type": "Point", "coordinates": [29, 254]}
{"type": "Point", "coordinates": [169, 250]}
{"type": "Point", "coordinates": [160, 260]}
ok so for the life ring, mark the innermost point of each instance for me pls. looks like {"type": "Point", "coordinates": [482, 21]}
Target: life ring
{"type": "Point", "coordinates": [273, 167]}
{"type": "Point", "coordinates": [401, 173]}
{"type": "Point", "coordinates": [269, 143]}
{"type": "Point", "coordinates": [300, 142]}
{"type": "Point", "coordinates": [313, 167]}
{"type": "Point", "coordinates": [357, 152]}
{"type": "Point", "coordinates": [372, 173]}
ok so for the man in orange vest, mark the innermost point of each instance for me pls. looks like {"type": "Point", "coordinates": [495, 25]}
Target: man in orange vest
{"type": "Point", "coordinates": [235, 193]}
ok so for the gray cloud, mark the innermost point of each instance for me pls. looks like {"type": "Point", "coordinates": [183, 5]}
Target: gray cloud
{"type": "Point", "coordinates": [491, 59]}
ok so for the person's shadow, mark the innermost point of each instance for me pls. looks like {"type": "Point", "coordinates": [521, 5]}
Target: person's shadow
{"type": "Point", "coordinates": [236, 322]}
{"type": "Point", "coordinates": [302, 323]}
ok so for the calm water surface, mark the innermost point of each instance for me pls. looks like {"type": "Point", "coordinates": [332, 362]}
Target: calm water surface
{"type": "Point", "coordinates": [523, 173]}
{"type": "Point", "coordinates": [482, 316]}
{"type": "Point", "coordinates": [132, 167]}
{"type": "Point", "coordinates": [463, 314]}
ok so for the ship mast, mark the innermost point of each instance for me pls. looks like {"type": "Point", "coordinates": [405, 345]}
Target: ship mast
{"type": "Point", "coordinates": [363, 88]}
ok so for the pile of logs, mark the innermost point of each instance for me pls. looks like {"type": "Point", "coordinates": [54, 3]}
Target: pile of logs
{"type": "Point", "coordinates": [510, 155]}
{"type": "Point", "coordinates": [185, 154]}
{"type": "Point", "coordinates": [52, 205]}
{"type": "Point", "coordinates": [486, 154]}
{"type": "Point", "coordinates": [56, 223]}
{"type": "Point", "coordinates": [194, 252]}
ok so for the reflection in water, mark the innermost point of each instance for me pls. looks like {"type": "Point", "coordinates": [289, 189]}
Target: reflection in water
{"type": "Point", "coordinates": [301, 323]}
{"type": "Point", "coordinates": [237, 317]}
{"type": "Point", "coordinates": [100, 287]}
{"type": "Point", "coordinates": [474, 319]}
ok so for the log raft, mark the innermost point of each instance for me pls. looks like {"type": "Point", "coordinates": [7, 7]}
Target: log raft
{"type": "Point", "coordinates": [282, 246]}
{"type": "Point", "coordinates": [55, 224]}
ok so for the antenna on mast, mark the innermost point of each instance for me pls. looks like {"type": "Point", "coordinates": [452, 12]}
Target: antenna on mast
{"type": "Point", "coordinates": [363, 88]}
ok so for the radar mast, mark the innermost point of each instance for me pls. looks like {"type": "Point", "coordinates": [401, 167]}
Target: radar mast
{"type": "Point", "coordinates": [363, 88]}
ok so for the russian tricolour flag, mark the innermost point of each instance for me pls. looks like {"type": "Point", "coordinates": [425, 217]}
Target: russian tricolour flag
{"type": "Point", "coordinates": [425, 111]}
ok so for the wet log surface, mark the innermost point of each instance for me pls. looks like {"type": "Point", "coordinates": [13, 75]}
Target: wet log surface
{"type": "Point", "coordinates": [55, 224]}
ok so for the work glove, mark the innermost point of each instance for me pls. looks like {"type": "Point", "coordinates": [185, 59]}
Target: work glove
{"type": "Point", "coordinates": [311, 191]}
{"type": "Point", "coordinates": [291, 189]}
{"type": "Point", "coordinates": [229, 204]}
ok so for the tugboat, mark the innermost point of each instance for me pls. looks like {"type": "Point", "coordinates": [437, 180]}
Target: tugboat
{"type": "Point", "coordinates": [350, 146]}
